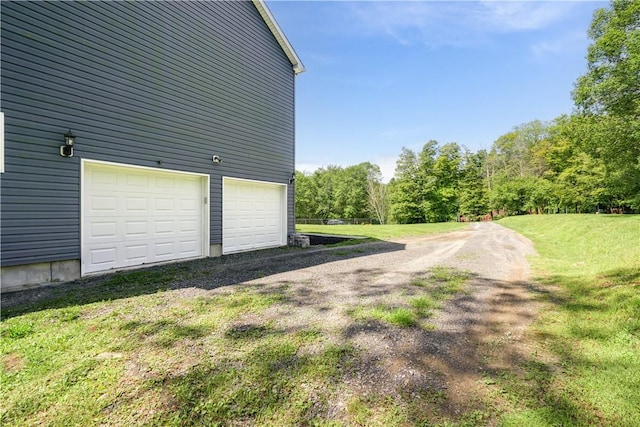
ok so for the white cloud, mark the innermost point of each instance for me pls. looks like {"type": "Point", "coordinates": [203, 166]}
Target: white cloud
{"type": "Point", "coordinates": [454, 23]}
{"type": "Point", "coordinates": [506, 16]}
{"type": "Point", "coordinates": [568, 43]}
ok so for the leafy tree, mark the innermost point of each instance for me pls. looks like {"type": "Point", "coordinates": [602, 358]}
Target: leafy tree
{"type": "Point", "coordinates": [472, 197]}
{"type": "Point", "coordinates": [612, 82]}
{"type": "Point", "coordinates": [351, 190]}
{"type": "Point", "coordinates": [335, 192]}
{"type": "Point", "coordinates": [305, 196]}
{"type": "Point", "coordinates": [425, 186]}
{"type": "Point", "coordinates": [513, 151]}
{"type": "Point", "coordinates": [608, 98]}
{"type": "Point", "coordinates": [405, 190]}
{"type": "Point", "coordinates": [582, 183]}
{"type": "Point", "coordinates": [447, 170]}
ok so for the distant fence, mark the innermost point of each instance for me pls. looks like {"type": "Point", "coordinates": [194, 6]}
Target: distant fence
{"type": "Point", "coordinates": [336, 221]}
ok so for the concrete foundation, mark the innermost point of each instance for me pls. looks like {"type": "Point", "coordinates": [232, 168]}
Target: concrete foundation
{"type": "Point", "coordinates": [20, 277]}
{"type": "Point", "coordinates": [215, 250]}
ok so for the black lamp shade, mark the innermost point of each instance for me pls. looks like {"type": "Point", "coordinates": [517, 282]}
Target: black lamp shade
{"type": "Point", "coordinates": [69, 138]}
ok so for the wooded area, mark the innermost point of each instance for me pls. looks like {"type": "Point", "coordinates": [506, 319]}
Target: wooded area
{"type": "Point", "coordinates": [588, 161]}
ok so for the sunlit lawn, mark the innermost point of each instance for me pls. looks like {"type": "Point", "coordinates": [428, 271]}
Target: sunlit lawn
{"type": "Point", "coordinates": [136, 353]}
{"type": "Point", "coordinates": [382, 232]}
{"type": "Point", "coordinates": [591, 323]}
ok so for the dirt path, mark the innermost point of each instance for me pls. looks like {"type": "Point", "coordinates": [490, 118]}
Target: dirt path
{"type": "Point", "coordinates": [450, 359]}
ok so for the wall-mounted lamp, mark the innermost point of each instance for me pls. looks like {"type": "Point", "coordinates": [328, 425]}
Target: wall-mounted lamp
{"type": "Point", "coordinates": [293, 178]}
{"type": "Point", "coordinates": [216, 159]}
{"type": "Point", "coordinates": [66, 150]}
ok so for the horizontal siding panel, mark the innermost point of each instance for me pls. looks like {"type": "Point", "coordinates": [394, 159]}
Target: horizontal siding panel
{"type": "Point", "coordinates": [61, 213]}
{"type": "Point", "coordinates": [253, 97]}
{"type": "Point", "coordinates": [39, 227]}
{"type": "Point", "coordinates": [156, 84]}
{"type": "Point", "coordinates": [121, 122]}
{"type": "Point", "coordinates": [61, 109]}
{"type": "Point", "coordinates": [26, 241]}
{"type": "Point", "coordinates": [40, 253]}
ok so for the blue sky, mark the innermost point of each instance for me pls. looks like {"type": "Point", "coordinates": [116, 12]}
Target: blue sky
{"type": "Point", "coordinates": [383, 75]}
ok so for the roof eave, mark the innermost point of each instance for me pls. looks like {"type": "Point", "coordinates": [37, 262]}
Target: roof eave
{"type": "Point", "coordinates": [268, 18]}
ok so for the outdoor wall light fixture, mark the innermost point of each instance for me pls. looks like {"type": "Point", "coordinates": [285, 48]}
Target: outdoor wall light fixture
{"type": "Point", "coordinates": [293, 178]}
{"type": "Point", "coordinates": [66, 150]}
{"type": "Point", "coordinates": [216, 159]}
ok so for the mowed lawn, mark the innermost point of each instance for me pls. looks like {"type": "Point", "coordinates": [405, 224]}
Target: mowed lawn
{"type": "Point", "coordinates": [153, 356]}
{"type": "Point", "coordinates": [382, 232]}
{"type": "Point", "coordinates": [587, 371]}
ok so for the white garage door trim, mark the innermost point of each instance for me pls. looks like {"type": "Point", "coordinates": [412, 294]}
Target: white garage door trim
{"type": "Point", "coordinates": [152, 256]}
{"type": "Point", "coordinates": [267, 228]}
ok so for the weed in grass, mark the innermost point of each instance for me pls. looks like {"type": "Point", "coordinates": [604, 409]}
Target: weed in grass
{"type": "Point", "coordinates": [401, 317]}
{"type": "Point", "coordinates": [17, 329]}
{"type": "Point", "coordinates": [392, 315]}
{"type": "Point", "coordinates": [423, 305]}
{"type": "Point", "coordinates": [359, 410]}
{"type": "Point", "coordinates": [54, 353]}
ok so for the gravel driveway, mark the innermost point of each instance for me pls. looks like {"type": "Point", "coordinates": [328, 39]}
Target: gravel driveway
{"type": "Point", "coordinates": [323, 285]}
{"type": "Point", "coordinates": [497, 308]}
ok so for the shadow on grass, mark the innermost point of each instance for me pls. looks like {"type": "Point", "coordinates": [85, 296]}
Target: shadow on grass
{"type": "Point", "coordinates": [582, 377]}
{"type": "Point", "coordinates": [207, 273]}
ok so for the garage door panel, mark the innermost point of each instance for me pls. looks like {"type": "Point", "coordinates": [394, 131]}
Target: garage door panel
{"type": "Point", "coordinates": [165, 183]}
{"type": "Point", "coordinates": [105, 229]}
{"type": "Point", "coordinates": [254, 215]}
{"type": "Point", "coordinates": [136, 229]}
{"type": "Point", "coordinates": [136, 204]}
{"type": "Point", "coordinates": [189, 205]}
{"type": "Point", "coordinates": [137, 252]}
{"type": "Point", "coordinates": [164, 205]}
{"type": "Point", "coordinates": [103, 203]}
{"type": "Point", "coordinates": [163, 227]}
{"type": "Point", "coordinates": [133, 217]}
{"type": "Point", "coordinates": [100, 256]}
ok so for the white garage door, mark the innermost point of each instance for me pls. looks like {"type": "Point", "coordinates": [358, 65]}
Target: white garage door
{"type": "Point", "coordinates": [254, 215]}
{"type": "Point", "coordinates": [133, 216]}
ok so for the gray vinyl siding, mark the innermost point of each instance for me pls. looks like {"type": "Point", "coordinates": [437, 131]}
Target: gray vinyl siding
{"type": "Point", "coordinates": [157, 84]}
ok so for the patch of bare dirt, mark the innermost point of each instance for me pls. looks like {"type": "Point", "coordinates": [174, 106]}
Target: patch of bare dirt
{"type": "Point", "coordinates": [13, 362]}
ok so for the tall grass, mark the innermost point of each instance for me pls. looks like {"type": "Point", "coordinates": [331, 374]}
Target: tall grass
{"type": "Point", "coordinates": [591, 324]}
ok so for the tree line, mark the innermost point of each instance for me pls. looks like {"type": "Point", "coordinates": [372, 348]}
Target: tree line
{"type": "Point", "coordinates": [583, 162]}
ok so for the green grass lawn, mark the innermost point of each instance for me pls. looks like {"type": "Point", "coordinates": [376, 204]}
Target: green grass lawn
{"type": "Point", "coordinates": [382, 232]}
{"type": "Point", "coordinates": [590, 330]}
{"type": "Point", "coordinates": [161, 357]}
